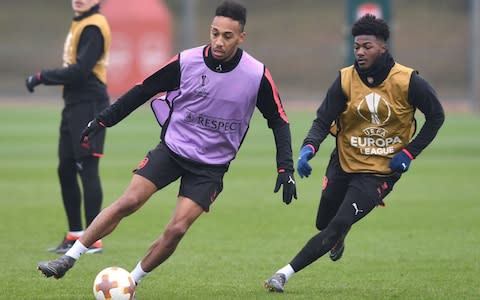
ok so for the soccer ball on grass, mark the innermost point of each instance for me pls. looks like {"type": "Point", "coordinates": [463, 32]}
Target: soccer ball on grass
{"type": "Point", "coordinates": [114, 283]}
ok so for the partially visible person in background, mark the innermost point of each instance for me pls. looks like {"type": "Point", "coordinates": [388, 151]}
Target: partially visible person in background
{"type": "Point", "coordinates": [84, 78]}
{"type": "Point", "coordinates": [372, 105]}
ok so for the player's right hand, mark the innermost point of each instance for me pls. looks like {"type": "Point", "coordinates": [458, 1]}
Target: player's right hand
{"type": "Point", "coordinates": [32, 81]}
{"type": "Point", "coordinates": [303, 167]}
{"type": "Point", "coordinates": [92, 129]}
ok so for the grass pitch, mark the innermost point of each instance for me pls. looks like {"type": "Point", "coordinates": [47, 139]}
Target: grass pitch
{"type": "Point", "coordinates": [423, 245]}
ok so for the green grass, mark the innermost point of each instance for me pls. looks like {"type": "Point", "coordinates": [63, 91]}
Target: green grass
{"type": "Point", "coordinates": [423, 245]}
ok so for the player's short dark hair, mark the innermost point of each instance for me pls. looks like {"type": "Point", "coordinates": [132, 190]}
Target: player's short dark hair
{"type": "Point", "coordinates": [233, 10]}
{"type": "Point", "coordinates": [371, 25]}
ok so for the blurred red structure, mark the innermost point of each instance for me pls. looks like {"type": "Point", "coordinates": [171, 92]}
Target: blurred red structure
{"type": "Point", "coordinates": [141, 41]}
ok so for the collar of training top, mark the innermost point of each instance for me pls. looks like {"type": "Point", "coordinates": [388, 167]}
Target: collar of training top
{"type": "Point", "coordinates": [95, 9]}
{"type": "Point", "coordinates": [377, 73]}
{"type": "Point", "coordinates": [220, 66]}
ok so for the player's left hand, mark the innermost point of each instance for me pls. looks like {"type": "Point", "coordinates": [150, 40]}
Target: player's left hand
{"type": "Point", "coordinates": [400, 162]}
{"type": "Point", "coordinates": [286, 179]}
{"type": "Point", "coordinates": [32, 81]}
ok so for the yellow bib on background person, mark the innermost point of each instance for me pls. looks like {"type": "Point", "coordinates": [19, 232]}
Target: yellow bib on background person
{"type": "Point", "coordinates": [73, 38]}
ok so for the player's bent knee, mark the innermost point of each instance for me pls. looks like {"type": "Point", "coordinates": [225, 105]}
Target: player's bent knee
{"type": "Point", "coordinates": [321, 225]}
{"type": "Point", "coordinates": [126, 205]}
{"type": "Point", "coordinates": [340, 226]}
{"type": "Point", "coordinates": [334, 231]}
{"type": "Point", "coordinates": [174, 233]}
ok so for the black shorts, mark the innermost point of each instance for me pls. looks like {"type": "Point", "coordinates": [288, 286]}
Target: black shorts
{"type": "Point", "coordinates": [75, 118]}
{"type": "Point", "coordinates": [200, 182]}
{"type": "Point", "coordinates": [344, 193]}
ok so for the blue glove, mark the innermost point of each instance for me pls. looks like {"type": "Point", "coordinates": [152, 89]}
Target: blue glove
{"type": "Point", "coordinates": [401, 161]}
{"type": "Point", "coordinates": [306, 153]}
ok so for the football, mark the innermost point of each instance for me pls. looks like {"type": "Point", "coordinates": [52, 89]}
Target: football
{"type": "Point", "coordinates": [114, 283]}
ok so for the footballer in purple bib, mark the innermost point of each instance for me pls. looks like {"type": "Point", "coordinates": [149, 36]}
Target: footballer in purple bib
{"type": "Point", "coordinates": [209, 94]}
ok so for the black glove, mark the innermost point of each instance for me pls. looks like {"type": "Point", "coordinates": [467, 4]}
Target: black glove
{"type": "Point", "coordinates": [286, 179]}
{"type": "Point", "coordinates": [32, 81]}
{"type": "Point", "coordinates": [92, 129]}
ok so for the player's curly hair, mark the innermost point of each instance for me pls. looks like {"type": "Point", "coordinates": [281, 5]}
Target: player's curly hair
{"type": "Point", "coordinates": [233, 10]}
{"type": "Point", "coordinates": [371, 25]}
